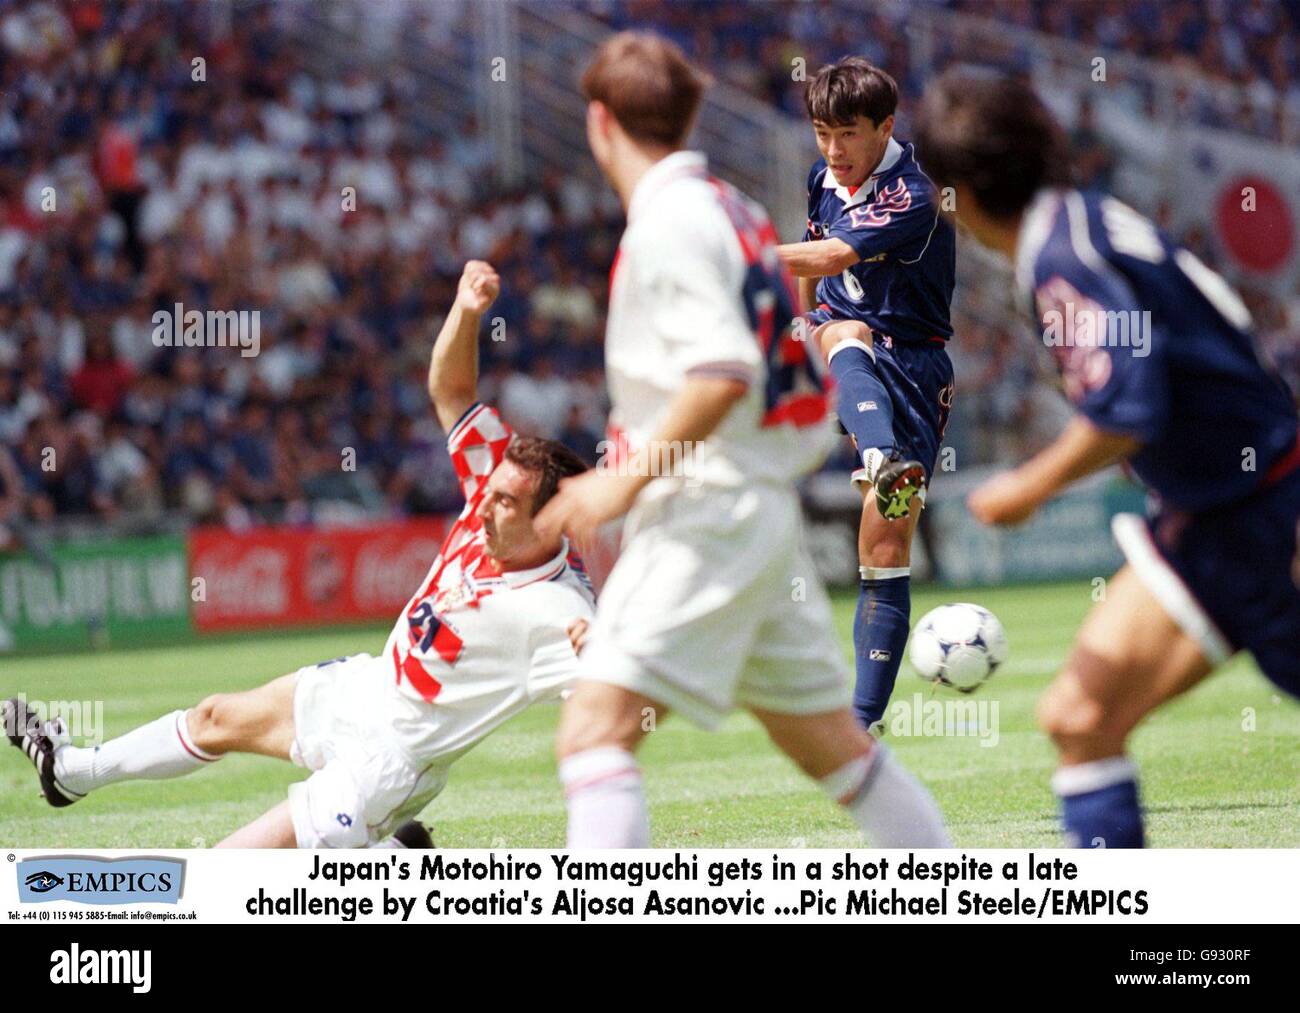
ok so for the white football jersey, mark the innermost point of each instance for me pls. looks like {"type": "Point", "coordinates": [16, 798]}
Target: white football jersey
{"type": "Point", "coordinates": [474, 645]}
{"type": "Point", "coordinates": [697, 288]}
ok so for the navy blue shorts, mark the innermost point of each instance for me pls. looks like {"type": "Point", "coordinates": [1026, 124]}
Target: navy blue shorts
{"type": "Point", "coordinates": [919, 379]}
{"type": "Point", "coordinates": [1241, 565]}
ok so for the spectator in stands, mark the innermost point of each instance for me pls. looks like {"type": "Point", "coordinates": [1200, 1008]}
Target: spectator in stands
{"type": "Point", "coordinates": [328, 205]}
{"type": "Point", "coordinates": [1094, 162]}
{"type": "Point", "coordinates": [578, 437]}
{"type": "Point", "coordinates": [12, 501]}
{"type": "Point", "coordinates": [101, 384]}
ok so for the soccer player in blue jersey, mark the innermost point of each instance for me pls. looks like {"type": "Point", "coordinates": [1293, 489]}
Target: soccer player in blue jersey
{"type": "Point", "coordinates": [1157, 356]}
{"type": "Point", "coordinates": [877, 267]}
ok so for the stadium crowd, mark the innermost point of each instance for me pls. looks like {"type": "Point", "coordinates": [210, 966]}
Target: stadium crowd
{"type": "Point", "coordinates": [1251, 43]}
{"type": "Point", "coordinates": [232, 192]}
{"type": "Point", "coordinates": [156, 155]}
{"type": "Point", "coordinates": [1000, 411]}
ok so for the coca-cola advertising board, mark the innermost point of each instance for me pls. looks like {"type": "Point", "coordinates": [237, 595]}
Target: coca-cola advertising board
{"type": "Point", "coordinates": [294, 576]}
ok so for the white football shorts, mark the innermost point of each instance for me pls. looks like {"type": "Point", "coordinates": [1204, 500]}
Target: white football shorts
{"type": "Point", "coordinates": [362, 787]}
{"type": "Point", "coordinates": [715, 604]}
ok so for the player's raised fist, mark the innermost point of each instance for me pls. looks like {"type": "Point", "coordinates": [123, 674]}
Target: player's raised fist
{"type": "Point", "coordinates": [479, 285]}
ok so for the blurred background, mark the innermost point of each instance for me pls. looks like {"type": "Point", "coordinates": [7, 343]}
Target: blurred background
{"type": "Point", "coordinates": [331, 166]}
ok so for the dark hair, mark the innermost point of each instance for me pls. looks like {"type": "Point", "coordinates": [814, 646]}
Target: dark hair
{"type": "Point", "coordinates": [841, 92]}
{"type": "Point", "coordinates": [548, 460]}
{"type": "Point", "coordinates": [648, 84]}
{"type": "Point", "coordinates": [992, 138]}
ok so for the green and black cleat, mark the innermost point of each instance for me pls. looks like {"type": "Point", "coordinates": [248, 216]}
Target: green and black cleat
{"type": "Point", "coordinates": [898, 484]}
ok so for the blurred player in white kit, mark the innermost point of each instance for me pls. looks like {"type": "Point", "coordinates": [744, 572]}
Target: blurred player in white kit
{"type": "Point", "coordinates": [713, 603]}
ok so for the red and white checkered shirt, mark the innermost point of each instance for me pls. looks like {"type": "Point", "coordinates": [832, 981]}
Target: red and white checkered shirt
{"type": "Point", "coordinates": [460, 631]}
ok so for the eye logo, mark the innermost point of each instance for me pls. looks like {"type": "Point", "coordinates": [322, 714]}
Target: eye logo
{"type": "Point", "coordinates": [43, 882]}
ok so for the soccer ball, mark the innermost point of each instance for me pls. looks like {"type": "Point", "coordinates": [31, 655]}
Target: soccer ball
{"type": "Point", "coordinates": [958, 645]}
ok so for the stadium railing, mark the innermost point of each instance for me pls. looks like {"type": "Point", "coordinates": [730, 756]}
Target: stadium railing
{"type": "Point", "coordinates": [514, 68]}
{"type": "Point", "coordinates": [1169, 92]}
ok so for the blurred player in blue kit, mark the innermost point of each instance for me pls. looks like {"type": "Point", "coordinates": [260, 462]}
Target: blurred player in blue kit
{"type": "Point", "coordinates": [877, 266]}
{"type": "Point", "coordinates": [1157, 356]}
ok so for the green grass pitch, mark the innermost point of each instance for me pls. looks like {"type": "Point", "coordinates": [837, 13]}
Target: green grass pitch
{"type": "Point", "coordinates": [1220, 766]}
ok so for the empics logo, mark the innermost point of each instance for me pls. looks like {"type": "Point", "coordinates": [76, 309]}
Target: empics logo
{"type": "Point", "coordinates": [101, 880]}
{"type": "Point", "coordinates": [75, 966]}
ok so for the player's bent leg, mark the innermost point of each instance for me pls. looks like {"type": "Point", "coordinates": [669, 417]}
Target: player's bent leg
{"type": "Point", "coordinates": [884, 613]}
{"type": "Point", "coordinates": [863, 404]}
{"type": "Point", "coordinates": [598, 714]}
{"type": "Point", "coordinates": [273, 829]}
{"type": "Point", "coordinates": [259, 721]}
{"type": "Point", "coordinates": [892, 808]}
{"type": "Point", "coordinates": [600, 727]}
{"type": "Point", "coordinates": [830, 335]}
{"type": "Point", "coordinates": [255, 721]}
{"type": "Point", "coordinates": [1129, 657]}
{"type": "Point", "coordinates": [884, 544]}
{"type": "Point", "coordinates": [819, 744]}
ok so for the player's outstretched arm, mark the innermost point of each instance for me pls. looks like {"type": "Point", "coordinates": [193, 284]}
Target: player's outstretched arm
{"type": "Point", "coordinates": [453, 368]}
{"type": "Point", "coordinates": [1081, 449]}
{"type": "Point", "coordinates": [818, 258]}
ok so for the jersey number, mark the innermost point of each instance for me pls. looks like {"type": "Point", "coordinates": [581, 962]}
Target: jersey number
{"type": "Point", "coordinates": [431, 633]}
{"type": "Point", "coordinates": [852, 285]}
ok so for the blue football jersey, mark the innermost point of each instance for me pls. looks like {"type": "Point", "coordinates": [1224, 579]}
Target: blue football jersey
{"type": "Point", "coordinates": [903, 284]}
{"type": "Point", "coordinates": [1152, 343]}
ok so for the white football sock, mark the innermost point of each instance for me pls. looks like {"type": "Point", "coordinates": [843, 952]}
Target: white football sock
{"type": "Point", "coordinates": [872, 461]}
{"type": "Point", "coordinates": [890, 805]}
{"type": "Point", "coordinates": [1085, 778]}
{"type": "Point", "coordinates": [606, 799]}
{"type": "Point", "coordinates": [160, 749]}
